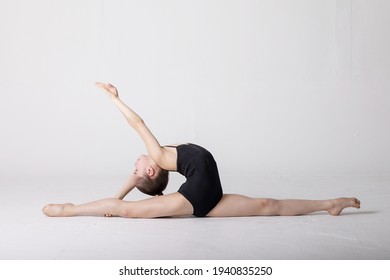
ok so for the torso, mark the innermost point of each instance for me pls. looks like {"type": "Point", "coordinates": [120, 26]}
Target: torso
{"type": "Point", "coordinates": [203, 187]}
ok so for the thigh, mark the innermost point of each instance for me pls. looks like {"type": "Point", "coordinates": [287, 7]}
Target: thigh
{"type": "Point", "coordinates": [234, 205]}
{"type": "Point", "coordinates": [169, 205]}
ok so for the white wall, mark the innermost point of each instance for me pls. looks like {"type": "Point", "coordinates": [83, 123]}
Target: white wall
{"type": "Point", "coordinates": [270, 87]}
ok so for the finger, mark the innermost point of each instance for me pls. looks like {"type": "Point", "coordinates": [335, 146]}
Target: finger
{"type": "Point", "coordinates": [104, 87]}
{"type": "Point", "coordinates": [99, 84]}
{"type": "Point", "coordinates": [101, 87]}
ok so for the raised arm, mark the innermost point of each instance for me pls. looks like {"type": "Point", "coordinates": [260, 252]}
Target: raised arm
{"type": "Point", "coordinates": [161, 156]}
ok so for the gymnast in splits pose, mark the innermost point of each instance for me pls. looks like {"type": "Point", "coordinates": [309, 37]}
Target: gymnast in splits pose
{"type": "Point", "coordinates": [201, 195]}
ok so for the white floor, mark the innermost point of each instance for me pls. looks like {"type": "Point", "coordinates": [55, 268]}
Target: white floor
{"type": "Point", "coordinates": [357, 234]}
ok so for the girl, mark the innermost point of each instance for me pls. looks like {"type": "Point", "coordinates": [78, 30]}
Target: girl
{"type": "Point", "coordinates": [201, 195]}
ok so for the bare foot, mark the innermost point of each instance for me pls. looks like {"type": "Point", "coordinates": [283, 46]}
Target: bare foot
{"type": "Point", "coordinates": [339, 204]}
{"type": "Point", "coordinates": [56, 210]}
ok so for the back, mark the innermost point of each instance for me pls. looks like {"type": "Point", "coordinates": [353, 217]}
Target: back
{"type": "Point", "coordinates": [203, 186]}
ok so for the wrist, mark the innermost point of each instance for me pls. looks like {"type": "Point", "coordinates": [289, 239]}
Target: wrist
{"type": "Point", "coordinates": [116, 101]}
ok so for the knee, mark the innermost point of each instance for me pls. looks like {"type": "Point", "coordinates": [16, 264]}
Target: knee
{"type": "Point", "coordinates": [267, 202]}
{"type": "Point", "coordinates": [127, 209]}
{"type": "Point", "coordinates": [268, 206]}
{"type": "Point", "coordinates": [124, 209]}
{"type": "Point", "coordinates": [118, 207]}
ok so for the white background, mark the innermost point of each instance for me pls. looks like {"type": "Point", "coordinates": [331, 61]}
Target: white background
{"type": "Point", "coordinates": [270, 87]}
{"type": "Point", "coordinates": [292, 98]}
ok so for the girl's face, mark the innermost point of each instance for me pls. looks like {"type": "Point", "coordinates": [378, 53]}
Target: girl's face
{"type": "Point", "coordinates": [142, 165]}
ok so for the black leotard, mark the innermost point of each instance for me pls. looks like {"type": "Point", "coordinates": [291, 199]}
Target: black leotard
{"type": "Point", "coordinates": [203, 187]}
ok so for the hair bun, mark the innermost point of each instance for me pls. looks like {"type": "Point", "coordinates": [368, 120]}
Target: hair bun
{"type": "Point", "coordinates": [160, 194]}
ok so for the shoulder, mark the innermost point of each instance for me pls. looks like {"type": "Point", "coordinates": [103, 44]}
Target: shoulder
{"type": "Point", "coordinates": [168, 158]}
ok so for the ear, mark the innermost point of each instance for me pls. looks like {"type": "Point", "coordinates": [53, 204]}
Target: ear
{"type": "Point", "coordinates": [150, 171]}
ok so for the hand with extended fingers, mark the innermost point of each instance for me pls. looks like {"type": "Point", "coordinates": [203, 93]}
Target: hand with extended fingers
{"type": "Point", "coordinates": [109, 89]}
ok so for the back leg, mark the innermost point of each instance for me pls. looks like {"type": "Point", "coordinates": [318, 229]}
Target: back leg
{"type": "Point", "coordinates": [234, 205]}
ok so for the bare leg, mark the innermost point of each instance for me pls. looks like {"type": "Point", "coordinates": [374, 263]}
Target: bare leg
{"type": "Point", "coordinates": [102, 207]}
{"type": "Point", "coordinates": [237, 205]}
{"type": "Point", "coordinates": [176, 205]}
{"type": "Point", "coordinates": [167, 205]}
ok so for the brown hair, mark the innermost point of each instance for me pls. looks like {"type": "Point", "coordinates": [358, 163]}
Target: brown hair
{"type": "Point", "coordinates": [153, 186]}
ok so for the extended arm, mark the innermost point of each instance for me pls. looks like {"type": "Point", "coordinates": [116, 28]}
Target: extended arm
{"type": "Point", "coordinates": [127, 187]}
{"type": "Point", "coordinates": [136, 122]}
{"type": "Point", "coordinates": [161, 156]}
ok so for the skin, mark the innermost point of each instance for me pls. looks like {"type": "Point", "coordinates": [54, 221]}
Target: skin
{"type": "Point", "coordinates": [174, 204]}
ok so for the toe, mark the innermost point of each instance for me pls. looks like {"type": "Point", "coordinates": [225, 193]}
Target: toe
{"type": "Point", "coordinates": [357, 203]}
